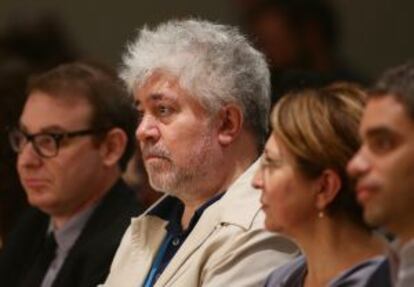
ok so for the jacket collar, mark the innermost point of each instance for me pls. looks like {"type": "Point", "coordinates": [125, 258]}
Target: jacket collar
{"type": "Point", "coordinates": [148, 231]}
{"type": "Point", "coordinates": [240, 196]}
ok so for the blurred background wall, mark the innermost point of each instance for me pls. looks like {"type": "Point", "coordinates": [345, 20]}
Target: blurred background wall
{"type": "Point", "coordinates": [37, 35]}
{"type": "Point", "coordinates": [375, 33]}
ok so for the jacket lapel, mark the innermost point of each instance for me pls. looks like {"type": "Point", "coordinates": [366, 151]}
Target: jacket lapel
{"type": "Point", "coordinates": [201, 232]}
{"type": "Point", "coordinates": [147, 236]}
{"type": "Point", "coordinates": [226, 210]}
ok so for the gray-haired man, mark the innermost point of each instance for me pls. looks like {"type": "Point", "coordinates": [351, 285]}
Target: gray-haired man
{"type": "Point", "coordinates": [203, 96]}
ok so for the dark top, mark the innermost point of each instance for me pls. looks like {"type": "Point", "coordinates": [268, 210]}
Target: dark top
{"type": "Point", "coordinates": [293, 273]}
{"type": "Point", "coordinates": [381, 277]}
{"type": "Point", "coordinates": [172, 210]}
{"type": "Point", "coordinates": [89, 260]}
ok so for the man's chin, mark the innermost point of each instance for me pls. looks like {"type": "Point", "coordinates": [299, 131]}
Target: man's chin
{"type": "Point", "coordinates": [159, 185]}
{"type": "Point", "coordinates": [157, 165]}
{"type": "Point", "coordinates": [46, 207]}
{"type": "Point", "coordinates": [373, 216]}
{"type": "Point", "coordinates": [168, 189]}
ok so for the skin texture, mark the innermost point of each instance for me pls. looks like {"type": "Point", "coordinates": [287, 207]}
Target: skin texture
{"type": "Point", "coordinates": [63, 185]}
{"type": "Point", "coordinates": [288, 199]}
{"type": "Point", "coordinates": [178, 139]}
{"type": "Point", "coordinates": [189, 151]}
{"type": "Point", "coordinates": [292, 202]}
{"type": "Point", "coordinates": [384, 166]}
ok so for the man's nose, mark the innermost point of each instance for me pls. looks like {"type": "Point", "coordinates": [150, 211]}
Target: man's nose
{"type": "Point", "coordinates": [148, 129]}
{"type": "Point", "coordinates": [359, 164]}
{"type": "Point", "coordinates": [28, 156]}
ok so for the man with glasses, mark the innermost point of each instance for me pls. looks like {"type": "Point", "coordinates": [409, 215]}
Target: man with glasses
{"type": "Point", "coordinates": [74, 139]}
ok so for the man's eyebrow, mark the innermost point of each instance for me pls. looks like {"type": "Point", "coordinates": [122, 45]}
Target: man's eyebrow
{"type": "Point", "coordinates": [52, 128]}
{"type": "Point", "coordinates": [159, 97]}
{"type": "Point", "coordinates": [378, 131]}
{"type": "Point", "coordinates": [156, 97]}
{"type": "Point", "coordinates": [47, 129]}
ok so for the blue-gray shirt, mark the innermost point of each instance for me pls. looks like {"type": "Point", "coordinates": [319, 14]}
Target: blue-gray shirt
{"type": "Point", "coordinates": [293, 273]}
{"type": "Point", "coordinates": [65, 238]}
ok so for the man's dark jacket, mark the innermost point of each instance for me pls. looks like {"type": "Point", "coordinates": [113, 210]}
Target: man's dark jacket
{"type": "Point", "coordinates": [88, 261]}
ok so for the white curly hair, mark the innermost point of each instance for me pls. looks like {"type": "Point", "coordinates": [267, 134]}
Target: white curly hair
{"type": "Point", "coordinates": [214, 62]}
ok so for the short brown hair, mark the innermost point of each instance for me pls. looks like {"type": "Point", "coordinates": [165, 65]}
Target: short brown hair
{"type": "Point", "coordinates": [100, 86]}
{"type": "Point", "coordinates": [399, 83]}
{"type": "Point", "coordinates": [319, 127]}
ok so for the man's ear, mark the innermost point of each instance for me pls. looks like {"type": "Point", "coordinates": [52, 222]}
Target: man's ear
{"type": "Point", "coordinates": [113, 146]}
{"type": "Point", "coordinates": [328, 188]}
{"type": "Point", "coordinates": [231, 122]}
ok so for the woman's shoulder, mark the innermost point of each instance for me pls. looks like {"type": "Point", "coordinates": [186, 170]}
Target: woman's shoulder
{"type": "Point", "coordinates": [293, 270]}
{"type": "Point", "coordinates": [358, 274]}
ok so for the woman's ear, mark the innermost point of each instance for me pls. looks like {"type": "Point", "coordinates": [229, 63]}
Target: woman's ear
{"type": "Point", "coordinates": [113, 146]}
{"type": "Point", "coordinates": [231, 122]}
{"type": "Point", "coordinates": [329, 184]}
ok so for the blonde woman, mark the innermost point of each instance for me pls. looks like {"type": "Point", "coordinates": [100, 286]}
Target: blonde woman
{"type": "Point", "coordinates": [306, 193]}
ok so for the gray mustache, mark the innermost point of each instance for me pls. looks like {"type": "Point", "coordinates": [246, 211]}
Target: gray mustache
{"type": "Point", "coordinates": [154, 151]}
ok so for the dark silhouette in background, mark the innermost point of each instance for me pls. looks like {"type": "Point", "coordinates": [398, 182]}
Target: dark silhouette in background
{"type": "Point", "coordinates": [38, 39]}
{"type": "Point", "coordinates": [12, 199]}
{"type": "Point", "coordinates": [298, 37]}
{"type": "Point", "coordinates": [30, 43]}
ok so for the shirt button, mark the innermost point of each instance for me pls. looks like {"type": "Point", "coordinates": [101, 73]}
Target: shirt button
{"type": "Point", "coordinates": [176, 241]}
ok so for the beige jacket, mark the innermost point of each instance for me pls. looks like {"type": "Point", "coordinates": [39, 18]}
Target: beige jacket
{"type": "Point", "coordinates": [227, 247]}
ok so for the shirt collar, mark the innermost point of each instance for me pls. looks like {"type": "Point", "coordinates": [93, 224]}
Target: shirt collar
{"type": "Point", "coordinates": [171, 209]}
{"type": "Point", "coordinates": [70, 231]}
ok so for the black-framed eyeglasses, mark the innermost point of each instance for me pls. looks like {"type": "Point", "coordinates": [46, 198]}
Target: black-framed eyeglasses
{"type": "Point", "coordinates": [46, 144]}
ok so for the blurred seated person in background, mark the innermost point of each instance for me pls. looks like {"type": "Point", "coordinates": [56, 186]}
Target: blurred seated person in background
{"type": "Point", "coordinates": [384, 167]}
{"type": "Point", "coordinates": [74, 138]}
{"type": "Point", "coordinates": [202, 92]}
{"type": "Point", "coordinates": [31, 41]}
{"type": "Point", "coordinates": [306, 193]}
{"type": "Point", "coordinates": [297, 35]}
{"type": "Point", "coordinates": [12, 196]}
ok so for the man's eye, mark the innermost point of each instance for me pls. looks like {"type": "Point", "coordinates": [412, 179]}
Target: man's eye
{"type": "Point", "coordinates": [381, 144]}
{"type": "Point", "coordinates": [164, 111]}
{"type": "Point", "coordinates": [46, 141]}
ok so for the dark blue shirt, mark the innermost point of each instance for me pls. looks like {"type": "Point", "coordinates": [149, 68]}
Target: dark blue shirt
{"type": "Point", "coordinates": [172, 209]}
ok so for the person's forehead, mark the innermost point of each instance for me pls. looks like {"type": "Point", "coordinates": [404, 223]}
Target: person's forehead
{"type": "Point", "coordinates": [42, 110]}
{"type": "Point", "coordinates": [274, 146]}
{"type": "Point", "coordinates": [163, 87]}
{"type": "Point", "coordinates": [385, 112]}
